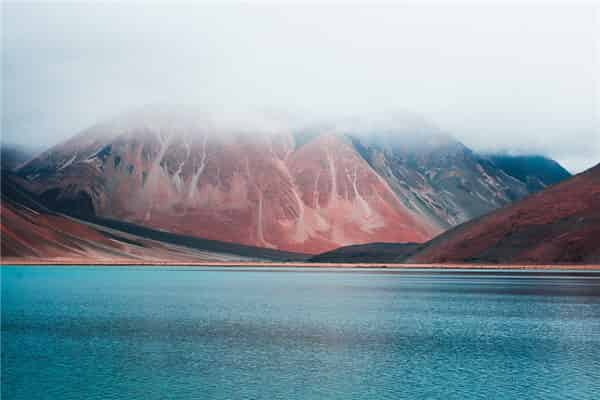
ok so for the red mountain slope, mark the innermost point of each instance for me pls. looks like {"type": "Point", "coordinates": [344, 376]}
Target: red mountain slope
{"type": "Point", "coordinates": [28, 234]}
{"type": "Point", "coordinates": [188, 175]}
{"type": "Point", "coordinates": [30, 231]}
{"type": "Point", "coordinates": [558, 225]}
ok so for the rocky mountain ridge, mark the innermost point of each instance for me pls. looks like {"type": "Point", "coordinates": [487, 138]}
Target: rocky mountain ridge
{"type": "Point", "coordinates": [267, 183]}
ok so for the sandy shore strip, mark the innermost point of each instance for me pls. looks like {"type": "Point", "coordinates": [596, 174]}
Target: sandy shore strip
{"type": "Point", "coordinates": [161, 263]}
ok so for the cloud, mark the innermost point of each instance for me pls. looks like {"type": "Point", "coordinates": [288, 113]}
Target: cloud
{"type": "Point", "coordinates": [507, 78]}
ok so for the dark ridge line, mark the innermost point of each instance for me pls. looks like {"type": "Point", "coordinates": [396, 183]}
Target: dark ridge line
{"type": "Point", "coordinates": [194, 242]}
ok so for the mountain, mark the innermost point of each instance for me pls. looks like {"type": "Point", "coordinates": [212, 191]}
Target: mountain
{"type": "Point", "coordinates": [185, 173]}
{"type": "Point", "coordinates": [437, 176]}
{"type": "Point", "coordinates": [367, 253]}
{"type": "Point", "coordinates": [537, 172]}
{"type": "Point", "coordinates": [560, 224]}
{"type": "Point", "coordinates": [262, 181]}
{"type": "Point", "coordinates": [31, 231]}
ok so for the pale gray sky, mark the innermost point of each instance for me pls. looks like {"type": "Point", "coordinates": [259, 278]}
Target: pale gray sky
{"type": "Point", "coordinates": [516, 78]}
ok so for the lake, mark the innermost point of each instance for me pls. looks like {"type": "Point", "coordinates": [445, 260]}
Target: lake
{"type": "Point", "coordinates": [268, 333]}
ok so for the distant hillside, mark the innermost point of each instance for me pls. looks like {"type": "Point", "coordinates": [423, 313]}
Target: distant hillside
{"type": "Point", "coordinates": [368, 253]}
{"type": "Point", "coordinates": [560, 224]}
{"type": "Point", "coordinates": [537, 172]}
{"type": "Point", "coordinates": [434, 175]}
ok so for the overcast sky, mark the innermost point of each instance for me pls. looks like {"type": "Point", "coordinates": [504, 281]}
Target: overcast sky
{"type": "Point", "coordinates": [520, 79]}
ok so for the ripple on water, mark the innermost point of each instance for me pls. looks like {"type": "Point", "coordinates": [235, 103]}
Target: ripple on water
{"type": "Point", "coordinates": [125, 333]}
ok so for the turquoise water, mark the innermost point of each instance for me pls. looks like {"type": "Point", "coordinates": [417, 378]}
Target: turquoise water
{"type": "Point", "coordinates": [208, 333]}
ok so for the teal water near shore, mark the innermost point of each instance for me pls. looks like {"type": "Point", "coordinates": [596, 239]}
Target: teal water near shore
{"type": "Point", "coordinates": [262, 333]}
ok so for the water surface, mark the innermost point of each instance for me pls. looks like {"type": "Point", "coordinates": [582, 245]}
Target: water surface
{"type": "Point", "coordinates": [215, 333]}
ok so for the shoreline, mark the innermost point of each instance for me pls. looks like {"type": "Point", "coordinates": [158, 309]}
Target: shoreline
{"type": "Point", "coordinates": [67, 262]}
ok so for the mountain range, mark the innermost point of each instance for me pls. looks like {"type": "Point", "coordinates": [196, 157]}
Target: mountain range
{"type": "Point", "coordinates": [264, 183]}
{"type": "Point", "coordinates": [558, 225]}
{"type": "Point", "coordinates": [268, 184]}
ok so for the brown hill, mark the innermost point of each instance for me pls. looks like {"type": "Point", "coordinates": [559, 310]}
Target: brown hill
{"type": "Point", "coordinates": [561, 224]}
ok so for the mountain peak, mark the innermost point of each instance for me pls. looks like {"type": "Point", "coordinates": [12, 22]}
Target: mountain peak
{"type": "Point", "coordinates": [257, 180]}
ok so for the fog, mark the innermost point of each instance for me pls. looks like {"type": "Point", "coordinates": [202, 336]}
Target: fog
{"type": "Point", "coordinates": [517, 79]}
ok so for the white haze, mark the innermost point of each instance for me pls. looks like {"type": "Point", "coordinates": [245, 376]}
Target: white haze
{"type": "Point", "coordinates": [518, 79]}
